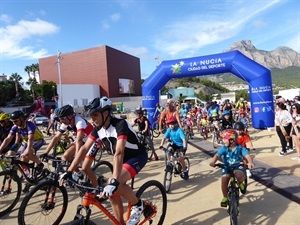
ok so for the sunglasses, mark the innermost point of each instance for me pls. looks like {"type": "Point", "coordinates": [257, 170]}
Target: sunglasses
{"type": "Point", "coordinates": [293, 107]}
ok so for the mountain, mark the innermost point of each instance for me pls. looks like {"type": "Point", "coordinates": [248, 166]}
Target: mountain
{"type": "Point", "coordinates": [281, 57]}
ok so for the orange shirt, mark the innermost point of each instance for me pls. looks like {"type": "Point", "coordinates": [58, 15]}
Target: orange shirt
{"type": "Point", "coordinates": [243, 138]}
{"type": "Point", "coordinates": [166, 114]}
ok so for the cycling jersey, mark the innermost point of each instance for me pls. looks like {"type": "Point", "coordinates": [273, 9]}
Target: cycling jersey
{"type": "Point", "coordinates": [119, 129]}
{"type": "Point", "coordinates": [232, 158]}
{"type": "Point", "coordinates": [141, 124]}
{"type": "Point", "coordinates": [29, 128]}
{"type": "Point", "coordinates": [79, 125]}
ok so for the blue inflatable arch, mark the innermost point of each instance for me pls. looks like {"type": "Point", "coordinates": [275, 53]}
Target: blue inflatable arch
{"type": "Point", "coordinates": [257, 76]}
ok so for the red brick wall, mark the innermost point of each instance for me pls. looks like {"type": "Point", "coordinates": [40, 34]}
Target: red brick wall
{"type": "Point", "coordinates": [100, 65]}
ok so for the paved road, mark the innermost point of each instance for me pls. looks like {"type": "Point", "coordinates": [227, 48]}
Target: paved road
{"type": "Point", "coordinates": [197, 200]}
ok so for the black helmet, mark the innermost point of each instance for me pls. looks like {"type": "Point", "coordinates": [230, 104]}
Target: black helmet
{"type": "Point", "coordinates": [139, 112]}
{"type": "Point", "coordinates": [64, 111]}
{"type": "Point", "coordinates": [239, 126]}
{"type": "Point", "coordinates": [98, 105]}
{"type": "Point", "coordinates": [16, 115]}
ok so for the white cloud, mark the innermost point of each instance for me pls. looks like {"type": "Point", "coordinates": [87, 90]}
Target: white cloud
{"type": "Point", "coordinates": [105, 25]}
{"type": "Point", "coordinates": [5, 18]}
{"type": "Point", "coordinates": [12, 37]}
{"type": "Point", "coordinates": [197, 31]}
{"type": "Point", "coordinates": [115, 17]}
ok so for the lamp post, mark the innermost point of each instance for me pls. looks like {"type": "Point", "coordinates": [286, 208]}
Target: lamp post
{"type": "Point", "coordinates": [59, 58]}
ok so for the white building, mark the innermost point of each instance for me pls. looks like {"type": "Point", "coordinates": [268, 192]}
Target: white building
{"type": "Point", "coordinates": [77, 95]}
{"type": "Point", "coordinates": [289, 94]}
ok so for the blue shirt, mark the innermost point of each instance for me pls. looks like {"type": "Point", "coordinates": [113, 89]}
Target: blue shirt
{"type": "Point", "coordinates": [232, 158]}
{"type": "Point", "coordinates": [176, 135]}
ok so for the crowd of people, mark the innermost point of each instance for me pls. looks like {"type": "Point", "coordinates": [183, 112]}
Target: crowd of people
{"type": "Point", "coordinates": [129, 153]}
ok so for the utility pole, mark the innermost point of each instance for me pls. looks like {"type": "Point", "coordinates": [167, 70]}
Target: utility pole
{"type": "Point", "coordinates": [59, 58]}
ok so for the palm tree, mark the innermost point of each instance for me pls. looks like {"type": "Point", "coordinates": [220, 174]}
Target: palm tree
{"type": "Point", "coordinates": [32, 83]}
{"type": "Point", "coordinates": [34, 69]}
{"type": "Point", "coordinates": [16, 78]}
{"type": "Point", "coordinates": [28, 71]}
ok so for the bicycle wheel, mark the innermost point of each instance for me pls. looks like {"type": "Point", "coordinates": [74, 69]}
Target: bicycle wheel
{"type": "Point", "coordinates": [10, 191]}
{"type": "Point", "coordinates": [187, 163]}
{"type": "Point", "coordinates": [45, 204]}
{"type": "Point", "coordinates": [155, 198]}
{"type": "Point", "coordinates": [103, 170]}
{"type": "Point", "coordinates": [168, 179]}
{"type": "Point", "coordinates": [215, 140]}
{"type": "Point", "coordinates": [155, 129]}
{"type": "Point", "coordinates": [82, 222]}
{"type": "Point", "coordinates": [99, 154]}
{"type": "Point", "coordinates": [233, 209]}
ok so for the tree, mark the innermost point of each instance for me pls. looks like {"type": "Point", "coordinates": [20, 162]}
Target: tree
{"type": "Point", "coordinates": [16, 78]}
{"type": "Point", "coordinates": [28, 71]}
{"type": "Point", "coordinates": [32, 83]}
{"type": "Point", "coordinates": [34, 69]}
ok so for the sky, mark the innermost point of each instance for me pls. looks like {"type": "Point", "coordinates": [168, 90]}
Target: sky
{"type": "Point", "coordinates": [152, 30]}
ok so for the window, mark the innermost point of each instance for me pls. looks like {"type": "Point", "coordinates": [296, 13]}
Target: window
{"type": "Point", "coordinates": [75, 102]}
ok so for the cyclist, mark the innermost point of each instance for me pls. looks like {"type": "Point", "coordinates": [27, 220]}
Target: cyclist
{"type": "Point", "coordinates": [76, 124]}
{"type": "Point", "coordinates": [231, 155]}
{"type": "Point", "coordinates": [226, 120]}
{"type": "Point", "coordinates": [189, 121]}
{"type": "Point", "coordinates": [144, 127]}
{"type": "Point", "coordinates": [177, 137]}
{"type": "Point", "coordinates": [33, 139]}
{"type": "Point", "coordinates": [243, 140]}
{"type": "Point", "coordinates": [53, 122]}
{"type": "Point", "coordinates": [168, 112]}
{"type": "Point", "coordinates": [129, 156]}
{"type": "Point", "coordinates": [5, 127]}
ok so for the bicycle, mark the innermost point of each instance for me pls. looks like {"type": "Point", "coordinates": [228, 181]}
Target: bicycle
{"type": "Point", "coordinates": [152, 193]}
{"type": "Point", "coordinates": [233, 195]}
{"type": "Point", "coordinates": [216, 137]}
{"type": "Point", "coordinates": [204, 132]}
{"type": "Point", "coordinates": [145, 142]}
{"type": "Point", "coordinates": [174, 167]}
{"type": "Point", "coordinates": [47, 202]}
{"type": "Point", "coordinates": [155, 129]}
{"type": "Point", "coordinates": [11, 181]}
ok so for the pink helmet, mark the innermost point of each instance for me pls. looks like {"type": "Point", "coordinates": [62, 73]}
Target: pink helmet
{"type": "Point", "coordinates": [230, 134]}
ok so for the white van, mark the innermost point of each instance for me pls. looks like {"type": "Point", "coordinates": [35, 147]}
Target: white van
{"type": "Point", "coordinates": [193, 100]}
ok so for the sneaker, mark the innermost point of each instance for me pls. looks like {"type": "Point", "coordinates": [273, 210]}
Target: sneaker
{"type": "Point", "coordinates": [242, 188]}
{"type": "Point", "coordinates": [39, 168]}
{"type": "Point", "coordinates": [155, 157]}
{"type": "Point", "coordinates": [185, 175]}
{"type": "Point", "coordinates": [297, 158]}
{"type": "Point", "coordinates": [135, 214]}
{"type": "Point", "coordinates": [224, 202]}
{"type": "Point", "coordinates": [289, 150]}
{"type": "Point", "coordinates": [282, 153]}
{"type": "Point", "coordinates": [169, 166]}
{"type": "Point", "coordinates": [248, 173]}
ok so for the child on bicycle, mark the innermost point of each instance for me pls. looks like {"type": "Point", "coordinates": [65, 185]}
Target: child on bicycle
{"type": "Point", "coordinates": [231, 154]}
{"type": "Point", "coordinates": [129, 158]}
{"type": "Point", "coordinates": [144, 127]}
{"type": "Point", "coordinates": [243, 140]}
{"type": "Point", "coordinates": [176, 135]}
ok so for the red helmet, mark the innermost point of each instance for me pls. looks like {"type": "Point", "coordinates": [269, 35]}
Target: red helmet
{"type": "Point", "coordinates": [171, 120]}
{"type": "Point", "coordinates": [204, 116]}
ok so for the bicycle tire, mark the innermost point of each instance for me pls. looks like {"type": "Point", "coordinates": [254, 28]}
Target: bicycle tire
{"type": "Point", "coordinates": [215, 140]}
{"type": "Point", "coordinates": [9, 197]}
{"type": "Point", "coordinates": [149, 152]}
{"type": "Point", "coordinates": [168, 180]}
{"type": "Point", "coordinates": [82, 222]}
{"type": "Point", "coordinates": [153, 192]}
{"type": "Point", "coordinates": [233, 209]}
{"type": "Point", "coordinates": [155, 129]}
{"type": "Point", "coordinates": [187, 163]}
{"type": "Point", "coordinates": [103, 171]}
{"type": "Point", "coordinates": [99, 154]}
{"type": "Point", "coordinates": [37, 208]}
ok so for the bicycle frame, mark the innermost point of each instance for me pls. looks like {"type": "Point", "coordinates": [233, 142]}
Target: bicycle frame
{"type": "Point", "coordinates": [92, 199]}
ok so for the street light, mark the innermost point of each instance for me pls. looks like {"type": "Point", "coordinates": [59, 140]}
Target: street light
{"type": "Point", "coordinates": [59, 58]}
